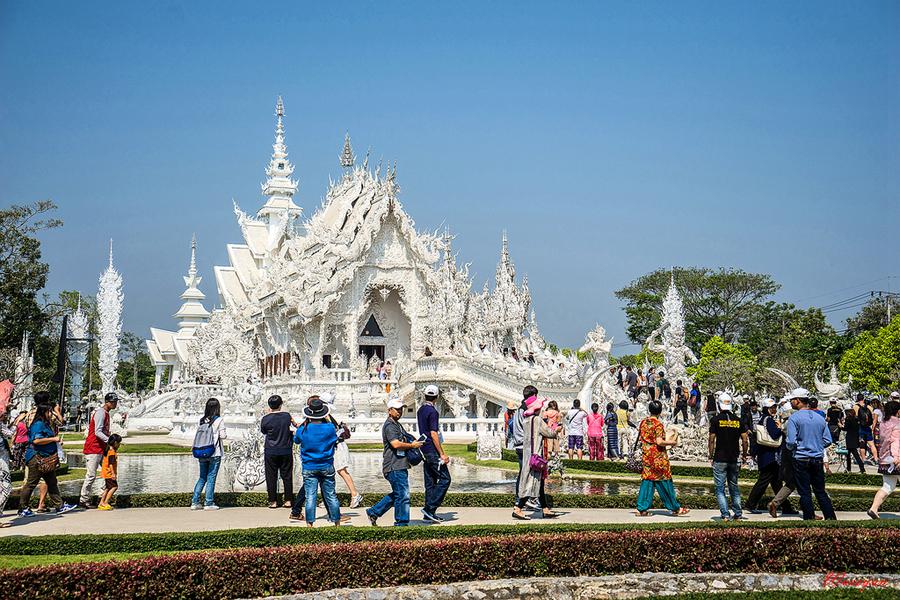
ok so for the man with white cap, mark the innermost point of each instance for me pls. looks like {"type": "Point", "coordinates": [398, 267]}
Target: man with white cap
{"type": "Point", "coordinates": [434, 463]}
{"type": "Point", "coordinates": [726, 430]}
{"type": "Point", "coordinates": [394, 466]}
{"type": "Point", "coordinates": [807, 438]}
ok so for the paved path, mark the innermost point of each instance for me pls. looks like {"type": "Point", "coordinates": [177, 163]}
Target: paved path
{"type": "Point", "coordinates": [137, 520]}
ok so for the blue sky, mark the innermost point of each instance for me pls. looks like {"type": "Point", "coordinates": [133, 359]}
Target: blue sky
{"type": "Point", "coordinates": [607, 138]}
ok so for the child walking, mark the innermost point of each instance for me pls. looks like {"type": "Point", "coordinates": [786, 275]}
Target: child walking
{"type": "Point", "coordinates": [109, 471]}
{"type": "Point", "coordinates": [552, 417]}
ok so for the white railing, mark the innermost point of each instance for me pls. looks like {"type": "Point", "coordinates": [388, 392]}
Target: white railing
{"type": "Point", "coordinates": [451, 429]}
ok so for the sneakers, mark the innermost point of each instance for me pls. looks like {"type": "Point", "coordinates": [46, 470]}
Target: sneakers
{"type": "Point", "coordinates": [372, 519]}
{"type": "Point", "coordinates": [210, 507]}
{"type": "Point", "coordinates": [26, 513]}
{"type": "Point", "coordinates": [196, 507]}
{"type": "Point", "coordinates": [68, 508]}
{"type": "Point", "coordinates": [533, 504]}
{"type": "Point", "coordinates": [294, 517]}
{"type": "Point", "coordinates": [430, 517]}
{"type": "Point", "coordinates": [356, 501]}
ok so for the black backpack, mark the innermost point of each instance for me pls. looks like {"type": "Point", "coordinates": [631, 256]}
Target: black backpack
{"type": "Point", "coordinates": [865, 416]}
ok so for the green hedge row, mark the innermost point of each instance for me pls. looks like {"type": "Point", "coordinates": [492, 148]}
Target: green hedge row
{"type": "Point", "coordinates": [255, 572]}
{"type": "Point", "coordinates": [614, 467]}
{"type": "Point", "coordinates": [842, 503]}
{"type": "Point", "coordinates": [264, 537]}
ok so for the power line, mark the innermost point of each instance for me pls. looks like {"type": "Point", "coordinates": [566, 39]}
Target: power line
{"type": "Point", "coordinates": [852, 287]}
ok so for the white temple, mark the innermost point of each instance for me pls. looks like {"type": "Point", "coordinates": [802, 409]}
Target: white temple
{"type": "Point", "coordinates": [318, 304]}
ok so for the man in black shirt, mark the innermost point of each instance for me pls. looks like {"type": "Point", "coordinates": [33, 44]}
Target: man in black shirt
{"type": "Point", "coordinates": [278, 453]}
{"type": "Point", "coordinates": [726, 430]}
{"type": "Point", "coordinates": [834, 417]}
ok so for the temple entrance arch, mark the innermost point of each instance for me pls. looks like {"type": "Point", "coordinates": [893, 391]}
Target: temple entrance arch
{"type": "Point", "coordinates": [384, 328]}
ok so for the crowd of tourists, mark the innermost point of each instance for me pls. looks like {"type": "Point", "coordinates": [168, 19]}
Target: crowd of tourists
{"type": "Point", "coordinates": [788, 439]}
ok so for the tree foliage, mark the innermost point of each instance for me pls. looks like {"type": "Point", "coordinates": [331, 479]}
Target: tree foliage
{"type": "Point", "coordinates": [723, 365]}
{"type": "Point", "coordinates": [873, 315]}
{"type": "Point", "coordinates": [716, 302]}
{"type": "Point", "coordinates": [874, 359]}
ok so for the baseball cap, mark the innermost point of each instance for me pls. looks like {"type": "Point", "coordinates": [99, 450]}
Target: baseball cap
{"type": "Point", "coordinates": [395, 402]}
{"type": "Point", "coordinates": [895, 395]}
{"type": "Point", "coordinates": [767, 403]}
{"type": "Point", "coordinates": [111, 397]}
{"type": "Point", "coordinates": [432, 391]}
{"type": "Point", "coordinates": [800, 393]}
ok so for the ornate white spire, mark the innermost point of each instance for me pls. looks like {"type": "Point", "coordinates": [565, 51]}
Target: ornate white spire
{"type": "Point", "coordinates": [192, 313]}
{"type": "Point", "coordinates": [671, 327]}
{"type": "Point", "coordinates": [109, 308]}
{"type": "Point", "coordinates": [279, 210]}
{"type": "Point", "coordinates": [348, 159]}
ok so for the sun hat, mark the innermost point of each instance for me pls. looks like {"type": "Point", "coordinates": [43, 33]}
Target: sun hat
{"type": "Point", "coordinates": [432, 391]}
{"type": "Point", "coordinates": [316, 409]}
{"type": "Point", "coordinates": [395, 402]}
{"type": "Point", "coordinates": [533, 405]}
{"type": "Point", "coordinates": [512, 404]}
{"type": "Point", "coordinates": [724, 401]}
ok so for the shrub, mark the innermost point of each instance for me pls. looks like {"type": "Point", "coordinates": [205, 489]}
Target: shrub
{"type": "Point", "coordinates": [264, 537]}
{"type": "Point", "coordinates": [254, 572]}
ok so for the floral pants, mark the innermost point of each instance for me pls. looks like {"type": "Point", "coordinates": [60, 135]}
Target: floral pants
{"type": "Point", "coordinates": [5, 483]}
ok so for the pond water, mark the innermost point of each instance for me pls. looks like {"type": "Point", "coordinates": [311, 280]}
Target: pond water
{"type": "Point", "coordinates": [178, 473]}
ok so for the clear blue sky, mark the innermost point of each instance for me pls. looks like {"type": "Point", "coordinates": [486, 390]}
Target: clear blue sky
{"type": "Point", "coordinates": [608, 138]}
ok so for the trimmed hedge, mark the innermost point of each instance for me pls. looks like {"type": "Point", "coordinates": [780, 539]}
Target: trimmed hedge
{"type": "Point", "coordinates": [842, 502]}
{"type": "Point", "coordinates": [265, 537]}
{"type": "Point", "coordinates": [254, 572]}
{"type": "Point", "coordinates": [614, 467]}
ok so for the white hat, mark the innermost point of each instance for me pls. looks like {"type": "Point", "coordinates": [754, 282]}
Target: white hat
{"type": "Point", "coordinates": [798, 393]}
{"type": "Point", "coordinates": [432, 391]}
{"type": "Point", "coordinates": [766, 403]}
{"type": "Point", "coordinates": [395, 402]}
{"type": "Point", "coordinates": [895, 395]}
{"type": "Point", "coordinates": [724, 400]}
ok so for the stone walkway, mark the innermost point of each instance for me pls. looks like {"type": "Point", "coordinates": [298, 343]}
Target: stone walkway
{"type": "Point", "coordinates": [150, 520]}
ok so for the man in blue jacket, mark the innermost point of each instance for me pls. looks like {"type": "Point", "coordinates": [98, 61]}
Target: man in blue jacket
{"type": "Point", "coordinates": [807, 438]}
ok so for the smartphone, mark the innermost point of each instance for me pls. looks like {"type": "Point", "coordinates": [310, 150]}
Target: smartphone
{"type": "Point", "coordinates": [422, 438]}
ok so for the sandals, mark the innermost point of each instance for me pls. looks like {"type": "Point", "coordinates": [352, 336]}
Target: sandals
{"type": "Point", "coordinates": [643, 513]}
{"type": "Point", "coordinates": [521, 517]}
{"type": "Point", "coordinates": [273, 505]}
{"type": "Point", "coordinates": [681, 512]}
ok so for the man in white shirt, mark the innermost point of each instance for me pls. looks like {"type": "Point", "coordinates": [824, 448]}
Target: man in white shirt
{"type": "Point", "coordinates": [576, 425]}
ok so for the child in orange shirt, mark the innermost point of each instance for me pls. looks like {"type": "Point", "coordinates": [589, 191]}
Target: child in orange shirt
{"type": "Point", "coordinates": [109, 471]}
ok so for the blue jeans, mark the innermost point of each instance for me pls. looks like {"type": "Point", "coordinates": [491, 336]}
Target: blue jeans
{"type": "Point", "coordinates": [399, 498]}
{"type": "Point", "coordinates": [209, 469]}
{"type": "Point", "coordinates": [729, 471]}
{"type": "Point", "coordinates": [437, 482]}
{"type": "Point", "coordinates": [809, 473]}
{"type": "Point", "coordinates": [312, 479]}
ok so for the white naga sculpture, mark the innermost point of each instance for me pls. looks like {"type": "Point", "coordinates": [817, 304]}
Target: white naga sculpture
{"type": "Point", "coordinates": [109, 308]}
{"type": "Point", "coordinates": [671, 329]}
{"type": "Point", "coordinates": [833, 389]}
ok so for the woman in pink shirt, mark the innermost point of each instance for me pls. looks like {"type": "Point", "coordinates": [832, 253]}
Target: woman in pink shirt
{"type": "Point", "coordinates": [888, 453]}
{"type": "Point", "coordinates": [595, 433]}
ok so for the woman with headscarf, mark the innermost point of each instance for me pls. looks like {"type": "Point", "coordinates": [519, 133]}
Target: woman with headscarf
{"type": "Point", "coordinates": [533, 470]}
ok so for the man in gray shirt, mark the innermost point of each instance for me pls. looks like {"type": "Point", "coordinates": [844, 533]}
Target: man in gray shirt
{"type": "Point", "coordinates": [394, 467]}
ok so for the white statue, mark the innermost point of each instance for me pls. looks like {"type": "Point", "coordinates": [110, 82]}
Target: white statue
{"type": "Point", "coordinates": [833, 389]}
{"type": "Point", "coordinates": [109, 307]}
{"type": "Point", "coordinates": [671, 330]}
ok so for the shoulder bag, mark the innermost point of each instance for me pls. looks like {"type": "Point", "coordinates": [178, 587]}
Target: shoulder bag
{"type": "Point", "coordinates": [537, 463]}
{"type": "Point", "coordinates": [44, 464]}
{"type": "Point", "coordinates": [763, 438]}
{"type": "Point", "coordinates": [635, 462]}
{"type": "Point", "coordinates": [413, 455]}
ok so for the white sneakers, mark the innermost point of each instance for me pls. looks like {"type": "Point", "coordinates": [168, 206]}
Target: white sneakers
{"type": "Point", "coordinates": [356, 501]}
{"type": "Point", "coordinates": [210, 507]}
{"type": "Point", "coordinates": [201, 507]}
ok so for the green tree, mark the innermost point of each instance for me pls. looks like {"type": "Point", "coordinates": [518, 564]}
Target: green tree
{"type": "Point", "coordinates": [723, 365]}
{"type": "Point", "coordinates": [136, 370]}
{"type": "Point", "coordinates": [636, 361]}
{"type": "Point", "coordinates": [874, 359]}
{"type": "Point", "coordinates": [22, 272]}
{"type": "Point", "coordinates": [873, 316]}
{"type": "Point", "coordinates": [716, 302]}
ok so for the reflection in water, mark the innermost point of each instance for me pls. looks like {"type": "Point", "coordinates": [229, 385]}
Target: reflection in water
{"type": "Point", "coordinates": [178, 473]}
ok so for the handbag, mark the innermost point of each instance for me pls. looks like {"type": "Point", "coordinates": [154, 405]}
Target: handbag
{"type": "Point", "coordinates": [635, 462]}
{"type": "Point", "coordinates": [344, 432]}
{"type": "Point", "coordinates": [44, 464]}
{"type": "Point", "coordinates": [413, 455]}
{"type": "Point", "coordinates": [887, 468]}
{"type": "Point", "coordinates": [537, 464]}
{"type": "Point", "coordinates": [763, 438]}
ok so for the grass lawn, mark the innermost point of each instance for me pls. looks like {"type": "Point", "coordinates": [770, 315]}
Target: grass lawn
{"type": "Point", "coordinates": [127, 448]}
{"type": "Point", "coordinates": [20, 561]}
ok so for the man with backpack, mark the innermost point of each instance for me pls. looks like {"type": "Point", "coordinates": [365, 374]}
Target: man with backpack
{"type": "Point", "coordinates": [664, 390]}
{"type": "Point", "coordinates": [865, 418]}
{"type": "Point", "coordinates": [576, 425]}
{"type": "Point", "coordinates": [95, 445]}
{"type": "Point", "coordinates": [681, 402]}
{"type": "Point", "coordinates": [394, 466]}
